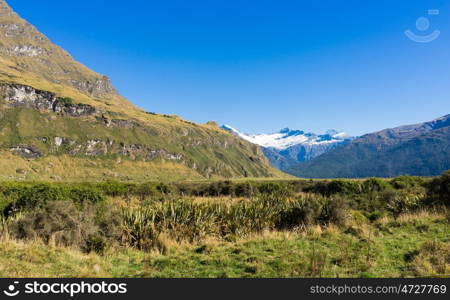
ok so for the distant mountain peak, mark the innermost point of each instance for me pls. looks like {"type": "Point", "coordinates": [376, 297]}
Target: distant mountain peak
{"type": "Point", "coordinates": [286, 138]}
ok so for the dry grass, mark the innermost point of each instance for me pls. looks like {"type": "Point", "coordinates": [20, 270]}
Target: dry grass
{"type": "Point", "coordinates": [72, 169]}
{"type": "Point", "coordinates": [313, 251]}
{"type": "Point", "coordinates": [34, 259]}
{"type": "Point", "coordinates": [410, 217]}
{"type": "Point", "coordinates": [222, 199]}
{"type": "Point", "coordinates": [432, 260]}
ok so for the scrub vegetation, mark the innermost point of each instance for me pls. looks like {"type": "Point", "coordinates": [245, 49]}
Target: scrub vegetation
{"type": "Point", "coordinates": [247, 228]}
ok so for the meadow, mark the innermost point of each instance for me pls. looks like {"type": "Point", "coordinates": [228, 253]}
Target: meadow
{"type": "Point", "coordinates": [246, 228]}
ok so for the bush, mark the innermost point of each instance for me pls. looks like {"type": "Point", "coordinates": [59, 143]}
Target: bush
{"type": "Point", "coordinates": [94, 243]}
{"type": "Point", "coordinates": [302, 212]}
{"type": "Point", "coordinates": [271, 188]}
{"type": "Point", "coordinates": [139, 228]}
{"type": "Point", "coordinates": [244, 190]}
{"type": "Point", "coordinates": [115, 189]}
{"type": "Point", "coordinates": [343, 187]}
{"type": "Point", "coordinates": [29, 197]}
{"type": "Point", "coordinates": [335, 210]}
{"type": "Point", "coordinates": [406, 182]}
{"type": "Point", "coordinates": [37, 196]}
{"type": "Point", "coordinates": [398, 201]}
{"type": "Point", "coordinates": [58, 222]}
{"type": "Point", "coordinates": [375, 185]}
{"type": "Point", "coordinates": [86, 194]}
{"type": "Point", "coordinates": [439, 190]}
{"type": "Point", "coordinates": [165, 189]}
{"type": "Point", "coordinates": [65, 101]}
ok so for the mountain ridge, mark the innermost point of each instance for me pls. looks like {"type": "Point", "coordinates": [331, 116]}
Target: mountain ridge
{"type": "Point", "coordinates": [22, 42]}
{"type": "Point", "coordinates": [421, 149]}
{"type": "Point", "coordinates": [287, 148]}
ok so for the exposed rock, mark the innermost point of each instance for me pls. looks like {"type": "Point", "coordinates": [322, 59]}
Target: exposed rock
{"type": "Point", "coordinates": [26, 151]}
{"type": "Point", "coordinates": [96, 147]}
{"type": "Point", "coordinates": [124, 123]}
{"type": "Point", "coordinates": [76, 150]}
{"type": "Point", "coordinates": [17, 95]}
{"type": "Point", "coordinates": [59, 141]}
{"type": "Point", "coordinates": [76, 110]}
{"type": "Point", "coordinates": [96, 88]}
{"type": "Point", "coordinates": [12, 30]}
{"type": "Point", "coordinates": [103, 86]}
{"type": "Point", "coordinates": [21, 171]}
{"type": "Point", "coordinates": [135, 151]}
{"type": "Point", "coordinates": [26, 50]}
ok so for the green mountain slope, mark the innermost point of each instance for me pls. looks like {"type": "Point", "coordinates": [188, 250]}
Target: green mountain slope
{"type": "Point", "coordinates": [421, 150]}
{"type": "Point", "coordinates": [60, 120]}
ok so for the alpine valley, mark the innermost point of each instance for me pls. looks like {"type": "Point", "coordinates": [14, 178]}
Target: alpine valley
{"type": "Point", "coordinates": [60, 121]}
{"type": "Point", "coordinates": [288, 148]}
{"type": "Point", "coordinates": [92, 186]}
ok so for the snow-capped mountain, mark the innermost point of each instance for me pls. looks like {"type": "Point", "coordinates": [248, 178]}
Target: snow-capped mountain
{"type": "Point", "coordinates": [289, 147]}
{"type": "Point", "coordinates": [286, 138]}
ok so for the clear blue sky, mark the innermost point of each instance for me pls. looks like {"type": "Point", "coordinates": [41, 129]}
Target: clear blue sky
{"type": "Point", "coordinates": [262, 65]}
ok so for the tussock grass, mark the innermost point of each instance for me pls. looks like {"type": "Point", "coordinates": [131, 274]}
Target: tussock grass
{"type": "Point", "coordinates": [249, 229]}
{"type": "Point", "coordinates": [35, 259]}
{"type": "Point", "coordinates": [317, 251]}
{"type": "Point", "coordinates": [432, 259]}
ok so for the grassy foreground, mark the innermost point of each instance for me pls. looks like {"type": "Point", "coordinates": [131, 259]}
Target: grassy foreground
{"type": "Point", "coordinates": [369, 228]}
{"type": "Point", "coordinates": [413, 245]}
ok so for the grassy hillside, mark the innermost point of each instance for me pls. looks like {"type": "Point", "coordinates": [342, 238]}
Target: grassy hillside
{"type": "Point", "coordinates": [40, 82]}
{"type": "Point", "coordinates": [151, 152]}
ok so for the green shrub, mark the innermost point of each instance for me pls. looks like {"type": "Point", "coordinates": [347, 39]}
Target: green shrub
{"type": "Point", "coordinates": [37, 196]}
{"type": "Point", "coordinates": [439, 190]}
{"type": "Point", "coordinates": [165, 189]}
{"type": "Point", "coordinates": [86, 194]}
{"type": "Point", "coordinates": [399, 201]}
{"type": "Point", "coordinates": [115, 189]}
{"type": "Point", "coordinates": [66, 101]}
{"type": "Point", "coordinates": [345, 187]}
{"type": "Point", "coordinates": [59, 222]}
{"type": "Point", "coordinates": [301, 212]}
{"type": "Point", "coordinates": [335, 211]}
{"type": "Point", "coordinates": [271, 188]}
{"type": "Point", "coordinates": [244, 190]}
{"type": "Point", "coordinates": [94, 243]}
{"type": "Point", "coordinates": [375, 185]}
{"type": "Point", "coordinates": [139, 228]}
{"type": "Point", "coordinates": [406, 182]}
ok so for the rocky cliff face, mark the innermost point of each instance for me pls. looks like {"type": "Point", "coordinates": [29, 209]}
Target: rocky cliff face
{"type": "Point", "coordinates": [15, 95]}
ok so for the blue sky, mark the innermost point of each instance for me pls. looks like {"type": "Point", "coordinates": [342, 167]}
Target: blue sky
{"type": "Point", "coordinates": [262, 65]}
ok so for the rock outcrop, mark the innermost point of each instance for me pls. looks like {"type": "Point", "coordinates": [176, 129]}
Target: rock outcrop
{"type": "Point", "coordinates": [15, 95]}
